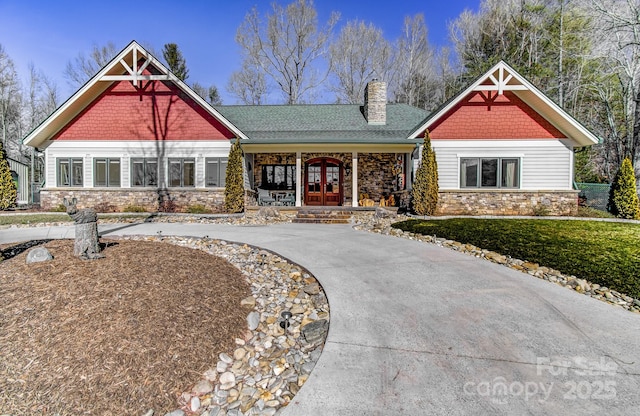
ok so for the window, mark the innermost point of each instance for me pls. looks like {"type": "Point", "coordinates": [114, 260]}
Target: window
{"type": "Point", "coordinates": [182, 173]}
{"type": "Point", "coordinates": [489, 173]}
{"type": "Point", "coordinates": [144, 172]}
{"type": "Point", "coordinates": [215, 171]}
{"type": "Point", "coordinates": [278, 176]}
{"type": "Point", "coordinates": [70, 172]}
{"type": "Point", "coordinates": [106, 172]}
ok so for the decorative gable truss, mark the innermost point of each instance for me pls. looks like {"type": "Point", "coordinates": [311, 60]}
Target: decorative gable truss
{"type": "Point", "coordinates": [135, 73]}
{"type": "Point", "coordinates": [504, 82]}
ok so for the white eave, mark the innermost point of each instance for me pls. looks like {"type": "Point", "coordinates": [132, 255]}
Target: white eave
{"type": "Point", "coordinates": [124, 67]}
{"type": "Point", "coordinates": [502, 78]}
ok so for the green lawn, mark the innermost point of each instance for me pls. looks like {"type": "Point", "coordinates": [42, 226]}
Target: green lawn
{"type": "Point", "coordinates": [10, 219]}
{"type": "Point", "coordinates": [607, 253]}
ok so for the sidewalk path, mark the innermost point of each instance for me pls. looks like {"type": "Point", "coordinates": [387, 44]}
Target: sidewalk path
{"type": "Point", "coordinates": [418, 329]}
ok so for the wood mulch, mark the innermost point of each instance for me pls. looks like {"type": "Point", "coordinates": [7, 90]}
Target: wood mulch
{"type": "Point", "coordinates": [114, 336]}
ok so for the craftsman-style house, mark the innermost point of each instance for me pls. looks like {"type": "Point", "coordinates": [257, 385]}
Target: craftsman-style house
{"type": "Point", "coordinates": [135, 135]}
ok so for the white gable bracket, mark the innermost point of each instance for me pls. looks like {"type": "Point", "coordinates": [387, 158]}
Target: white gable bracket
{"type": "Point", "coordinates": [136, 74]}
{"type": "Point", "coordinates": [500, 84]}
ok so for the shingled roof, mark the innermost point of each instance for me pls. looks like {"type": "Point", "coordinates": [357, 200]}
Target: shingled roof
{"type": "Point", "coordinates": [324, 123]}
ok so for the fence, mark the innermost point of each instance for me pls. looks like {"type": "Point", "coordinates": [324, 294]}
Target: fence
{"type": "Point", "coordinates": [20, 175]}
{"type": "Point", "coordinates": [596, 195]}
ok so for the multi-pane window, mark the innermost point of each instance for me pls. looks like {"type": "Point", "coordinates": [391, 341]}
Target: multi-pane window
{"type": "Point", "coordinates": [278, 176]}
{"type": "Point", "coordinates": [489, 173]}
{"type": "Point", "coordinates": [215, 171]}
{"type": "Point", "coordinates": [106, 172]}
{"type": "Point", "coordinates": [144, 172]}
{"type": "Point", "coordinates": [182, 172]}
{"type": "Point", "coordinates": [70, 172]}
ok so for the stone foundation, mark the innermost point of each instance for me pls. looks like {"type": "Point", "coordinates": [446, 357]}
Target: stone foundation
{"type": "Point", "coordinates": [114, 200]}
{"type": "Point", "coordinates": [512, 202]}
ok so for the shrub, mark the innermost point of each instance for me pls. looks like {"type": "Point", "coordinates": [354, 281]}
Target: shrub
{"type": "Point", "coordinates": [8, 192]}
{"type": "Point", "coordinates": [588, 212]}
{"type": "Point", "coordinates": [198, 209]}
{"type": "Point", "coordinates": [105, 207]}
{"type": "Point", "coordinates": [540, 210]}
{"type": "Point", "coordinates": [168, 206]}
{"type": "Point", "coordinates": [425, 187]}
{"type": "Point", "coordinates": [623, 196]}
{"type": "Point", "coordinates": [234, 181]}
{"type": "Point", "coordinates": [134, 208]}
{"type": "Point", "coordinates": [59, 208]}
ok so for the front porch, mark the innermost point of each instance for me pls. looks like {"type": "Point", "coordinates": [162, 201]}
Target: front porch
{"type": "Point", "coordinates": [323, 179]}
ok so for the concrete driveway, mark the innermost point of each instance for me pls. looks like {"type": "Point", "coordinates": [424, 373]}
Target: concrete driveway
{"type": "Point", "coordinates": [419, 329]}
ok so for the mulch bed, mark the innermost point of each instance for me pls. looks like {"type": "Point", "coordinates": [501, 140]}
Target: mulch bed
{"type": "Point", "coordinates": [115, 336]}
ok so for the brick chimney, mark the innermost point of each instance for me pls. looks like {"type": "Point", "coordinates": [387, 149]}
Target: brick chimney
{"type": "Point", "coordinates": [375, 102]}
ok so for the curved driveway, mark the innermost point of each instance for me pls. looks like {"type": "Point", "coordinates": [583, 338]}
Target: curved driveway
{"type": "Point", "coordinates": [419, 329]}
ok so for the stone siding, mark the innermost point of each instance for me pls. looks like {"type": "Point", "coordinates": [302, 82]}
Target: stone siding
{"type": "Point", "coordinates": [375, 171]}
{"type": "Point", "coordinates": [375, 175]}
{"type": "Point", "coordinates": [117, 199]}
{"type": "Point", "coordinates": [463, 202]}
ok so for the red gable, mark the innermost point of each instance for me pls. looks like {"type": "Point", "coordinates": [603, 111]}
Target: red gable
{"type": "Point", "coordinates": [157, 111]}
{"type": "Point", "coordinates": [487, 115]}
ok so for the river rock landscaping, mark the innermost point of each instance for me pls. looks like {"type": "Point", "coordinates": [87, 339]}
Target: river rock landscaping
{"type": "Point", "coordinates": [276, 355]}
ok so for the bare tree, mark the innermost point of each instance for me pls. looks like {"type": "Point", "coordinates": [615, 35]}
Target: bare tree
{"type": "Point", "coordinates": [512, 30]}
{"type": "Point", "coordinates": [248, 84]}
{"type": "Point", "coordinates": [82, 68]}
{"type": "Point", "coordinates": [10, 104]}
{"type": "Point", "coordinates": [41, 98]}
{"type": "Point", "coordinates": [413, 63]}
{"type": "Point", "coordinates": [287, 47]}
{"type": "Point", "coordinates": [359, 54]}
{"type": "Point", "coordinates": [210, 94]}
{"type": "Point", "coordinates": [619, 45]}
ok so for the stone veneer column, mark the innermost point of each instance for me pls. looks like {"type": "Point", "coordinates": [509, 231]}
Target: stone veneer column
{"type": "Point", "coordinates": [298, 179]}
{"type": "Point", "coordinates": [354, 176]}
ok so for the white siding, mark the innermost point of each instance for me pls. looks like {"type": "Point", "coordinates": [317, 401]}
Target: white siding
{"type": "Point", "coordinates": [125, 172]}
{"type": "Point", "coordinates": [50, 170]}
{"type": "Point", "coordinates": [125, 150]}
{"type": "Point", "coordinates": [545, 164]}
{"type": "Point", "coordinates": [200, 170]}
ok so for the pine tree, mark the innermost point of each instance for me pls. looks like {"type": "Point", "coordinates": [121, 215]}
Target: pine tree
{"type": "Point", "coordinates": [176, 62]}
{"type": "Point", "coordinates": [8, 192]}
{"type": "Point", "coordinates": [425, 187]}
{"type": "Point", "coordinates": [234, 182]}
{"type": "Point", "coordinates": [623, 196]}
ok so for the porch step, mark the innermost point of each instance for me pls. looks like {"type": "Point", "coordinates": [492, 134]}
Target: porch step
{"type": "Point", "coordinates": [319, 216]}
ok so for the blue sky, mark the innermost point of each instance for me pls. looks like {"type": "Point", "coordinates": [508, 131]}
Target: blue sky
{"type": "Point", "coordinates": [50, 33]}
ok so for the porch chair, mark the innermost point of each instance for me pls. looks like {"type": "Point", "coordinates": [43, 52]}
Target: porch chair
{"type": "Point", "coordinates": [265, 198]}
{"type": "Point", "coordinates": [289, 199]}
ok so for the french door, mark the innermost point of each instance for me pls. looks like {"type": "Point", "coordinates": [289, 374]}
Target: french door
{"type": "Point", "coordinates": [323, 182]}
